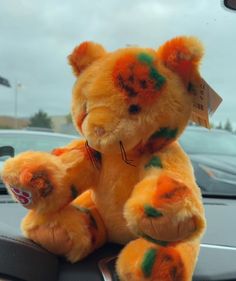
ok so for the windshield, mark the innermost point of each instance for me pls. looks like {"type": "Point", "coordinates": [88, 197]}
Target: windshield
{"type": "Point", "coordinates": [209, 142]}
{"type": "Point", "coordinates": [36, 81]}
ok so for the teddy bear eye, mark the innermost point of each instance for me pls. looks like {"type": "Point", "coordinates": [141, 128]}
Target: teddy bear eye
{"type": "Point", "coordinates": [134, 109]}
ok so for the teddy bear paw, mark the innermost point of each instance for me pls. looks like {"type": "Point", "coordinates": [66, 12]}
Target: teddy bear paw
{"type": "Point", "coordinates": [30, 177]}
{"type": "Point", "coordinates": [166, 228]}
{"type": "Point", "coordinates": [169, 217]}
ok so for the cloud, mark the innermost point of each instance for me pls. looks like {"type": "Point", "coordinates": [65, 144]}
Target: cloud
{"type": "Point", "coordinates": [37, 36]}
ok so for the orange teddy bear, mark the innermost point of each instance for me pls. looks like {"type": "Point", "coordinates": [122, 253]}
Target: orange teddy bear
{"type": "Point", "coordinates": [129, 181]}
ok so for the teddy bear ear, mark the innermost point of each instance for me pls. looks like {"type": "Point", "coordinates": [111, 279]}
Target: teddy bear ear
{"type": "Point", "coordinates": [85, 54]}
{"type": "Point", "coordinates": [182, 55]}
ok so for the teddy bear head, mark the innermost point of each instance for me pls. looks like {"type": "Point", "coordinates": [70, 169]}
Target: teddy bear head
{"type": "Point", "coordinates": [135, 97]}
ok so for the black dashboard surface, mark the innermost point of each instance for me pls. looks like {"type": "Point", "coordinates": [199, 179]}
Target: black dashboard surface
{"type": "Point", "coordinates": [20, 259]}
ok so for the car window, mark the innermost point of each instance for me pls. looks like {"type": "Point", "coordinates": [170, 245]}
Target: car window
{"type": "Point", "coordinates": [37, 36]}
{"type": "Point", "coordinates": [36, 142]}
{"type": "Point", "coordinates": [213, 156]}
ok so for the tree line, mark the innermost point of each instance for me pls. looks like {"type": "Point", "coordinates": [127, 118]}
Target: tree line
{"type": "Point", "coordinates": [42, 120]}
{"type": "Point", "coordinates": [227, 126]}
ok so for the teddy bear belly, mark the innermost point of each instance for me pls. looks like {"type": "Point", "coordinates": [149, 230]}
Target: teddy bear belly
{"type": "Point", "coordinates": [114, 189]}
{"type": "Point", "coordinates": [116, 183]}
{"type": "Point", "coordinates": [111, 212]}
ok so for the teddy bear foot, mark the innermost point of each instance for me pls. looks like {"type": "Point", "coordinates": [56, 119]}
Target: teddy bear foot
{"type": "Point", "coordinates": [54, 238]}
{"type": "Point", "coordinates": [144, 261]}
{"type": "Point", "coordinates": [74, 231]}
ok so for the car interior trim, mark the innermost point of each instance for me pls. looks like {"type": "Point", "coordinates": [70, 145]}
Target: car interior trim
{"type": "Point", "coordinates": [102, 264]}
{"type": "Point", "coordinates": [218, 247]}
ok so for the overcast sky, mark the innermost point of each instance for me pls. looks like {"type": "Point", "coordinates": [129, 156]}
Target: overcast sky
{"type": "Point", "coordinates": [37, 36]}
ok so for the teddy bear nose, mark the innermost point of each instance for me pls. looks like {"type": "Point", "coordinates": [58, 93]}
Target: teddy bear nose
{"type": "Point", "coordinates": [99, 131]}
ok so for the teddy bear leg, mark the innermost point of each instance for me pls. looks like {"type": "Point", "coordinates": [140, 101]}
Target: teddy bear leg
{"type": "Point", "coordinates": [165, 209]}
{"type": "Point", "coordinates": [74, 232]}
{"type": "Point", "coordinates": [141, 260]}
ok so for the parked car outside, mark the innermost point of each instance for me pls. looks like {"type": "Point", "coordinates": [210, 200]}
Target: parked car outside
{"type": "Point", "coordinates": [213, 156]}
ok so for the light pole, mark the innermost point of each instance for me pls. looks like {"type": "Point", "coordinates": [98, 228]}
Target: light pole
{"type": "Point", "coordinates": [17, 87]}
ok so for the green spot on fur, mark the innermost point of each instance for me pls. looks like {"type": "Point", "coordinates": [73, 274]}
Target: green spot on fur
{"type": "Point", "coordinates": [154, 241]}
{"type": "Point", "coordinates": [152, 212]}
{"type": "Point", "coordinates": [148, 262]}
{"type": "Point", "coordinates": [146, 58]}
{"type": "Point", "coordinates": [155, 75]}
{"type": "Point", "coordinates": [154, 162]}
{"type": "Point", "coordinates": [165, 133]}
{"type": "Point", "coordinates": [74, 192]}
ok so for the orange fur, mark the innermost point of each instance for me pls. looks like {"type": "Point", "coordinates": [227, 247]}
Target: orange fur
{"type": "Point", "coordinates": [129, 73]}
{"type": "Point", "coordinates": [182, 55]}
{"type": "Point", "coordinates": [84, 55]}
{"type": "Point", "coordinates": [170, 264]}
{"type": "Point", "coordinates": [129, 177]}
{"type": "Point", "coordinates": [169, 191]}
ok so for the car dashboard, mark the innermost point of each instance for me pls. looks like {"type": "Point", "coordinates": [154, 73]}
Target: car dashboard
{"type": "Point", "coordinates": [21, 259]}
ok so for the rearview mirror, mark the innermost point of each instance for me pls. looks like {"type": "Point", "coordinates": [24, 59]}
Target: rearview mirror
{"type": "Point", "coordinates": [230, 4]}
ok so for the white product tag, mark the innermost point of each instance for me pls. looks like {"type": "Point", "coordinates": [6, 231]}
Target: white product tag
{"type": "Point", "coordinates": [205, 103]}
{"type": "Point", "coordinates": [214, 99]}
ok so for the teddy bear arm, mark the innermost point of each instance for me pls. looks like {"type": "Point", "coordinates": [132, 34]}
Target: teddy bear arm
{"type": "Point", "coordinates": [166, 204]}
{"type": "Point", "coordinates": [82, 164]}
{"type": "Point", "coordinates": [47, 182]}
